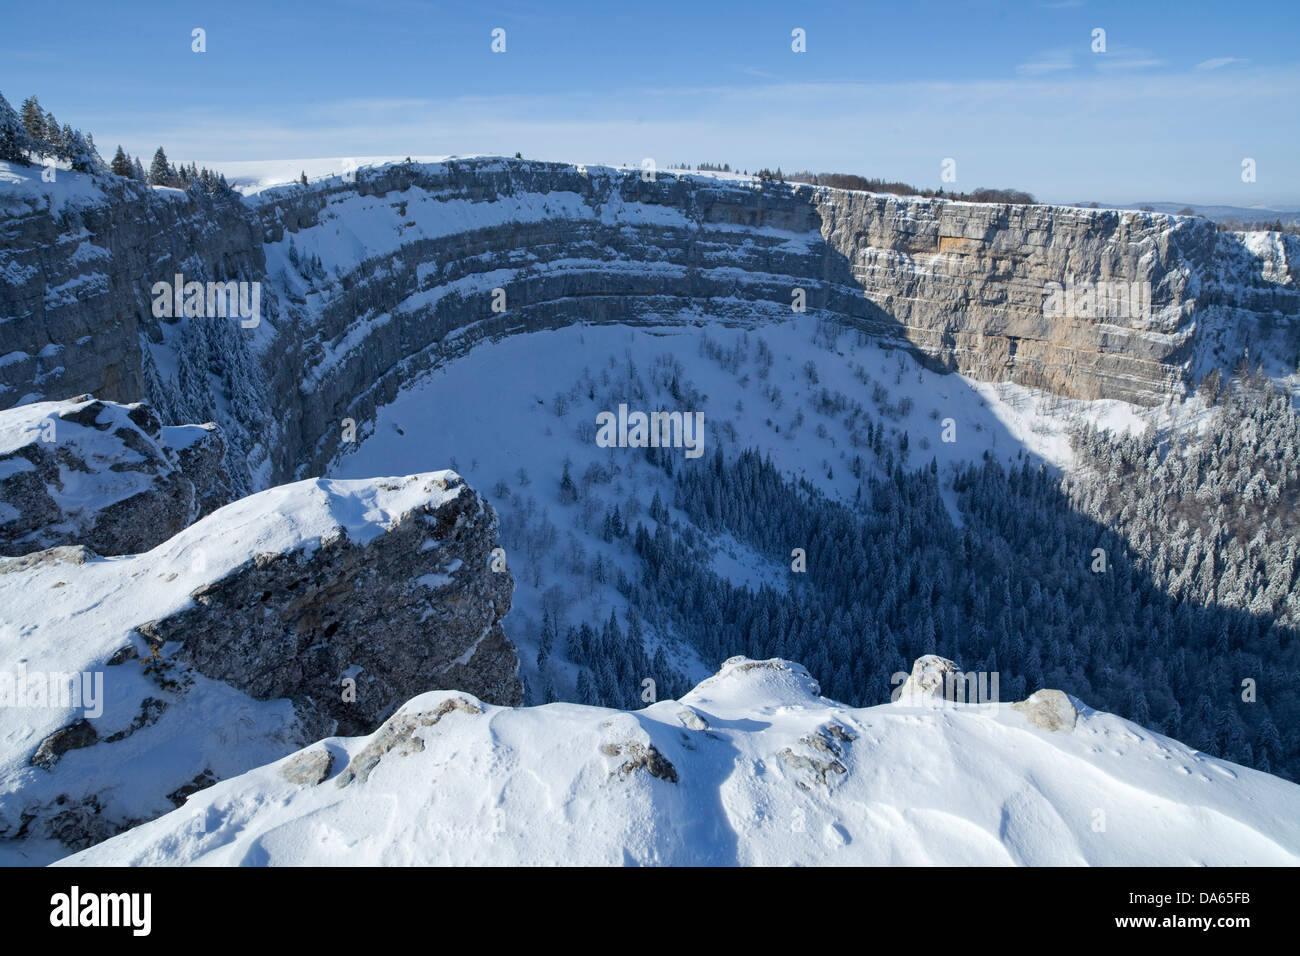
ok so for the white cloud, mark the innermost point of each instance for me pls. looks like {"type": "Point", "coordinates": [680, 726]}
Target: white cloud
{"type": "Point", "coordinates": [1219, 62]}
{"type": "Point", "coordinates": [1049, 61]}
{"type": "Point", "coordinates": [1127, 58]}
{"type": "Point", "coordinates": [1063, 135]}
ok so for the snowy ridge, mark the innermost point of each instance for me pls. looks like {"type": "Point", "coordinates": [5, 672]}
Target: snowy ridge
{"type": "Point", "coordinates": [751, 767]}
{"type": "Point", "coordinates": [154, 728]}
{"type": "Point", "coordinates": [103, 475]}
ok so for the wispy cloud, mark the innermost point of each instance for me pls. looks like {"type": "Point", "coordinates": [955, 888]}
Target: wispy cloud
{"type": "Point", "coordinates": [1219, 62]}
{"type": "Point", "coordinates": [1127, 58]}
{"type": "Point", "coordinates": [1065, 135]}
{"type": "Point", "coordinates": [1049, 61]}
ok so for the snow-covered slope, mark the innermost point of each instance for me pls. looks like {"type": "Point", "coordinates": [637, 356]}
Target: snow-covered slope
{"type": "Point", "coordinates": [126, 681]}
{"type": "Point", "coordinates": [510, 431]}
{"type": "Point", "coordinates": [751, 767]}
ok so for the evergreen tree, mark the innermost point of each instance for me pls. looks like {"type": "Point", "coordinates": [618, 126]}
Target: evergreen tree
{"type": "Point", "coordinates": [121, 165]}
{"type": "Point", "coordinates": [34, 121]}
{"type": "Point", "coordinates": [160, 172]}
{"type": "Point", "coordinates": [15, 141]}
{"type": "Point", "coordinates": [80, 152]}
{"type": "Point", "coordinates": [568, 490]}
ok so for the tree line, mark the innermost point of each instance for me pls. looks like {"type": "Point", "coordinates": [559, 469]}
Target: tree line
{"type": "Point", "coordinates": [33, 135]}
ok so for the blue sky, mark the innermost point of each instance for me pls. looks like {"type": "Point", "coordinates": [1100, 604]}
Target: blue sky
{"type": "Point", "coordinates": [1011, 91]}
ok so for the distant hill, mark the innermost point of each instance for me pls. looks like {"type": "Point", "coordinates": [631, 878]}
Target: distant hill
{"type": "Point", "coordinates": [1289, 217]}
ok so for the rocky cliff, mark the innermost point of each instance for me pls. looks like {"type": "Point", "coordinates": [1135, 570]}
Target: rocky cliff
{"type": "Point", "coordinates": [310, 609]}
{"type": "Point", "coordinates": [103, 475]}
{"type": "Point", "coordinates": [369, 282]}
{"type": "Point", "coordinates": [78, 260]}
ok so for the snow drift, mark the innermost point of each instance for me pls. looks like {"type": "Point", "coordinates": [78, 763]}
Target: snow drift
{"type": "Point", "coordinates": [750, 767]}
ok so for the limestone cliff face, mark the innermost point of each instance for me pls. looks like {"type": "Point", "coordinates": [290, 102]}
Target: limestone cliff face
{"type": "Point", "coordinates": [410, 255]}
{"type": "Point", "coordinates": [77, 263]}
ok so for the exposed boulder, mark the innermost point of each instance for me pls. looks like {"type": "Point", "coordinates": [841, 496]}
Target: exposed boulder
{"type": "Point", "coordinates": [399, 733]}
{"type": "Point", "coordinates": [641, 757]}
{"type": "Point", "coordinates": [1049, 709]}
{"type": "Point", "coordinates": [102, 475]}
{"type": "Point", "coordinates": [823, 749]}
{"type": "Point", "coordinates": [307, 768]}
{"type": "Point", "coordinates": [932, 677]}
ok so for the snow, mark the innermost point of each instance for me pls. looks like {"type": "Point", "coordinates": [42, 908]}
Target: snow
{"type": "Point", "coordinates": [180, 437]}
{"type": "Point", "coordinates": [920, 786]}
{"type": "Point", "coordinates": [488, 414]}
{"type": "Point", "coordinates": [23, 188]}
{"type": "Point", "coordinates": [67, 617]}
{"type": "Point", "coordinates": [251, 177]}
{"type": "Point", "coordinates": [79, 491]}
{"type": "Point", "coordinates": [531, 784]}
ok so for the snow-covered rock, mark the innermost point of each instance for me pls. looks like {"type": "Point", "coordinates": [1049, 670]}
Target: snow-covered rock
{"type": "Point", "coordinates": [294, 613]}
{"type": "Point", "coordinates": [1049, 709]}
{"type": "Point", "coordinates": [761, 771]}
{"type": "Point", "coordinates": [201, 454]}
{"type": "Point", "coordinates": [932, 677]}
{"type": "Point", "coordinates": [102, 475]}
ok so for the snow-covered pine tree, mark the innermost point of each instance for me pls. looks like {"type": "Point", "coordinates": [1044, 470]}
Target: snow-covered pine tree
{"type": "Point", "coordinates": [15, 141]}
{"type": "Point", "coordinates": [34, 120]}
{"type": "Point", "coordinates": [80, 152]}
{"type": "Point", "coordinates": [160, 172]}
{"type": "Point", "coordinates": [121, 164]}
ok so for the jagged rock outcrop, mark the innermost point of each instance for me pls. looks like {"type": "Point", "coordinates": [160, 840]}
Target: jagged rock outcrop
{"type": "Point", "coordinates": [416, 607]}
{"type": "Point", "coordinates": [201, 456]}
{"type": "Point", "coordinates": [349, 320]}
{"type": "Point", "coordinates": [932, 678]}
{"type": "Point", "coordinates": [102, 475]}
{"type": "Point", "coordinates": [310, 609]}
